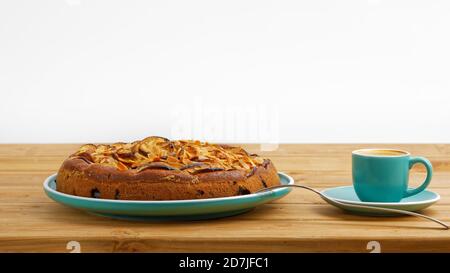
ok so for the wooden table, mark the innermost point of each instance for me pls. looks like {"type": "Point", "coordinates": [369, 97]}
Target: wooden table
{"type": "Point", "coordinates": [31, 222]}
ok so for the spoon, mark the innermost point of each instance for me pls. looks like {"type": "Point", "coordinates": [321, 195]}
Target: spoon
{"type": "Point", "coordinates": [379, 209]}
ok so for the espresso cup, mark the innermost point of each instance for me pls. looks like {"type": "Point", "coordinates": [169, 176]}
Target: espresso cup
{"type": "Point", "coordinates": [381, 175]}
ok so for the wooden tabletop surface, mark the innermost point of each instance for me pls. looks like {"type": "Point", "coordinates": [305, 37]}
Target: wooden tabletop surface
{"type": "Point", "coordinates": [299, 222]}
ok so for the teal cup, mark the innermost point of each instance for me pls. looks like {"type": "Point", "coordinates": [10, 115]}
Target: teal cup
{"type": "Point", "coordinates": [381, 175]}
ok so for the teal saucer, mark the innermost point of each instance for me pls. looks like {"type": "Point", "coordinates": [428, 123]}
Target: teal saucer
{"type": "Point", "coordinates": [197, 209]}
{"type": "Point", "coordinates": [347, 195]}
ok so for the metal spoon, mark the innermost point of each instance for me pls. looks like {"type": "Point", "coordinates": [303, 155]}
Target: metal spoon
{"type": "Point", "coordinates": [331, 200]}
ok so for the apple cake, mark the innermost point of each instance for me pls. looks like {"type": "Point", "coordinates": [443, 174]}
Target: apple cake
{"type": "Point", "coordinates": [156, 168]}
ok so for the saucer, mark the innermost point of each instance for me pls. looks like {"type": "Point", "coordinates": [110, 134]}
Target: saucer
{"type": "Point", "coordinates": [347, 195]}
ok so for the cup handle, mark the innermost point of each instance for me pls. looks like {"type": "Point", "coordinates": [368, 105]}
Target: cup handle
{"type": "Point", "coordinates": [428, 166]}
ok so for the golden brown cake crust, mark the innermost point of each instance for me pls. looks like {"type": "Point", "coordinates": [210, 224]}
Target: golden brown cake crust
{"type": "Point", "coordinates": [81, 177]}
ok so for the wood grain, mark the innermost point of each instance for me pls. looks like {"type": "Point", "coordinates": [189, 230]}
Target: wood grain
{"type": "Point", "coordinates": [300, 222]}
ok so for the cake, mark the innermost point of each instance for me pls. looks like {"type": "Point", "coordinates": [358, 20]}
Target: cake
{"type": "Point", "coordinates": [157, 168]}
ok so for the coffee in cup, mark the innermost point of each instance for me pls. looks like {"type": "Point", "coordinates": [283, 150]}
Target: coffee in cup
{"type": "Point", "coordinates": [382, 175]}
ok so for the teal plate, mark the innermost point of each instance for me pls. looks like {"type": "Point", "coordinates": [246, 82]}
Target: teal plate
{"type": "Point", "coordinates": [347, 195]}
{"type": "Point", "coordinates": [197, 209]}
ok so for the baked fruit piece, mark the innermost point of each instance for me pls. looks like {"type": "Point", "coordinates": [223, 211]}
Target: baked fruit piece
{"type": "Point", "coordinates": [156, 168]}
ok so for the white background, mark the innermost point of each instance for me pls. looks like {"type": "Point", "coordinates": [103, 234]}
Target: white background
{"type": "Point", "coordinates": [235, 71]}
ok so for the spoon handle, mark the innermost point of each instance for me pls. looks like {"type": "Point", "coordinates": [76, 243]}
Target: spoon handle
{"type": "Point", "coordinates": [379, 209]}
